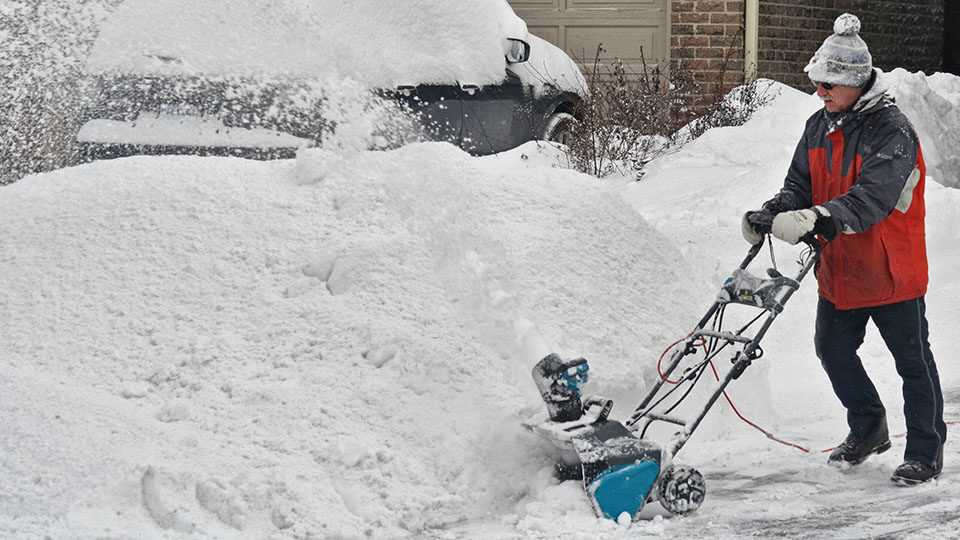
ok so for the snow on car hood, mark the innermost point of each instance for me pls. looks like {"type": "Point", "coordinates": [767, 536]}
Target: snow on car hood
{"type": "Point", "coordinates": [379, 44]}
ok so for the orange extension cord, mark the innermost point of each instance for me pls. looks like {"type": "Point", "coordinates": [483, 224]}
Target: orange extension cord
{"type": "Point", "coordinates": [768, 434]}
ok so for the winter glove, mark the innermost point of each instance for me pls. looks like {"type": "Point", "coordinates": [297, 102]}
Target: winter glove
{"type": "Point", "coordinates": [755, 224]}
{"type": "Point", "coordinates": [794, 225]}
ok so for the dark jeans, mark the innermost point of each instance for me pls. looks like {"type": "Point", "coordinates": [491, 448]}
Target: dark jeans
{"type": "Point", "coordinates": [904, 329]}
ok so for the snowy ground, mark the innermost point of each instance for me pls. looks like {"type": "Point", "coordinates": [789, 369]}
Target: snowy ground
{"type": "Point", "coordinates": [340, 346]}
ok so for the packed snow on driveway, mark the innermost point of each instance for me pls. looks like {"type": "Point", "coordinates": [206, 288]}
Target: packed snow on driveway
{"type": "Point", "coordinates": [340, 346]}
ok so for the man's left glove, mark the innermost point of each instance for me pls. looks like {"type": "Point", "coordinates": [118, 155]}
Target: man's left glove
{"type": "Point", "coordinates": [793, 225]}
{"type": "Point", "coordinates": [755, 224]}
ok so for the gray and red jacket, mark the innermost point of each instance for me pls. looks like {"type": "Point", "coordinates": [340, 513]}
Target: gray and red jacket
{"type": "Point", "coordinates": [866, 167]}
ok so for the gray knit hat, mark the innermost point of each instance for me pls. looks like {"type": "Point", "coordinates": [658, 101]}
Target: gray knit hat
{"type": "Point", "coordinates": [843, 58]}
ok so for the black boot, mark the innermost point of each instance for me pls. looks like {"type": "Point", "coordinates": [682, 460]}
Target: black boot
{"type": "Point", "coordinates": [912, 472]}
{"type": "Point", "coordinates": [855, 450]}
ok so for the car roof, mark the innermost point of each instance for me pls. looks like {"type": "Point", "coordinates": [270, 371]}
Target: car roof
{"type": "Point", "coordinates": [376, 43]}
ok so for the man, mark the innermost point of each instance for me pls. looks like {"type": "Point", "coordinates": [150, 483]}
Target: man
{"type": "Point", "coordinates": [857, 181]}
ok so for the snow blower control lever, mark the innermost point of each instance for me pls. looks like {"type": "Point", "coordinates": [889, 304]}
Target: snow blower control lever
{"type": "Point", "coordinates": [559, 383]}
{"type": "Point", "coordinates": [620, 469]}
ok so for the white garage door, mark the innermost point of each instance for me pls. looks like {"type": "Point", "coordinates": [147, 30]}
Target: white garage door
{"type": "Point", "coordinates": [624, 27]}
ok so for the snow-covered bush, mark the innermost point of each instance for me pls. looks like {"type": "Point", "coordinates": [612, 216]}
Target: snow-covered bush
{"type": "Point", "coordinates": [731, 109]}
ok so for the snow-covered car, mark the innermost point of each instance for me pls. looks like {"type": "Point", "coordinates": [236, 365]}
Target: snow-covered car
{"type": "Point", "coordinates": [262, 78]}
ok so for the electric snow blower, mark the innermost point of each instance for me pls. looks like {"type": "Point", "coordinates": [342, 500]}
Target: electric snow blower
{"type": "Point", "coordinates": [620, 469]}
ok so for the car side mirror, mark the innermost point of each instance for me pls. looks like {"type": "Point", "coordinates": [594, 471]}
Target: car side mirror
{"type": "Point", "coordinates": [519, 51]}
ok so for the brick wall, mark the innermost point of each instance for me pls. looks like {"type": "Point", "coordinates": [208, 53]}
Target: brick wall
{"type": "Point", "coordinates": [905, 33]}
{"type": "Point", "coordinates": [900, 33]}
{"type": "Point", "coordinates": [951, 46]}
{"type": "Point", "coordinates": [707, 40]}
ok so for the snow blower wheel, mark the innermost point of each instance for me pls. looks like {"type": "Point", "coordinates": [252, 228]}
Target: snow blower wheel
{"type": "Point", "coordinates": [681, 489]}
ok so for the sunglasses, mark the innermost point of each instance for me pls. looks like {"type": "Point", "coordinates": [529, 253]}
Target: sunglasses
{"type": "Point", "coordinates": [826, 86]}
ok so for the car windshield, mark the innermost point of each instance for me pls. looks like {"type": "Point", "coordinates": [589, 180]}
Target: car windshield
{"type": "Point", "coordinates": [373, 42]}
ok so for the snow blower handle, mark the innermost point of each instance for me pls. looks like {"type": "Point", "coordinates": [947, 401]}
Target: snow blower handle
{"type": "Point", "coordinates": [751, 254]}
{"type": "Point", "coordinates": [809, 239]}
{"type": "Point", "coordinates": [761, 221]}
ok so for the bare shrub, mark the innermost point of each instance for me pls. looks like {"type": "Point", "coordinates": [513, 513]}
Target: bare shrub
{"type": "Point", "coordinates": [624, 119]}
{"type": "Point", "coordinates": [631, 118]}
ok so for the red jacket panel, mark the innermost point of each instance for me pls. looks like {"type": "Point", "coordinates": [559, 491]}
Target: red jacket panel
{"type": "Point", "coordinates": [885, 264]}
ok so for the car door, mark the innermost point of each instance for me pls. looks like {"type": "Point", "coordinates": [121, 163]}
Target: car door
{"type": "Point", "coordinates": [496, 117]}
{"type": "Point", "coordinates": [437, 108]}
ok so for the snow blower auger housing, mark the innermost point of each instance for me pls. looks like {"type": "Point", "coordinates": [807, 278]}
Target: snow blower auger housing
{"type": "Point", "coordinates": [620, 469]}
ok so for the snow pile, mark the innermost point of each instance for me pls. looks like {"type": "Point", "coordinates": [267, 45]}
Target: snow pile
{"type": "Point", "coordinates": [933, 105]}
{"type": "Point", "coordinates": [379, 44]}
{"type": "Point", "coordinates": [947, 85]}
{"type": "Point", "coordinates": [315, 348]}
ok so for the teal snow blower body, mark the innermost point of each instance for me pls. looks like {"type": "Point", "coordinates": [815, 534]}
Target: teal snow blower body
{"type": "Point", "coordinates": [621, 471]}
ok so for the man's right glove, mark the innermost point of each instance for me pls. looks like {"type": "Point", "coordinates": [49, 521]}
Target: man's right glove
{"type": "Point", "coordinates": [792, 226]}
{"type": "Point", "coordinates": [755, 224]}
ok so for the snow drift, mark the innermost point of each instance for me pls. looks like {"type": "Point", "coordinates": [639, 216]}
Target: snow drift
{"type": "Point", "coordinates": [349, 353]}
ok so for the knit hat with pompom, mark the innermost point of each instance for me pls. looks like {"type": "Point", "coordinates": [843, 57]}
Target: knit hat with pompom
{"type": "Point", "coordinates": [843, 58]}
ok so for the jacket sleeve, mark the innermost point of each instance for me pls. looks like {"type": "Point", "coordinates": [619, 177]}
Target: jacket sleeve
{"type": "Point", "coordinates": [796, 192]}
{"type": "Point", "coordinates": [887, 177]}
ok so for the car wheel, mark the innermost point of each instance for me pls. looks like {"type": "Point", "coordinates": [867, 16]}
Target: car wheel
{"type": "Point", "coordinates": [560, 128]}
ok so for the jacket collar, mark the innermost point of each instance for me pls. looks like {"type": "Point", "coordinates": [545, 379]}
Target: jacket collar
{"type": "Point", "coordinates": [874, 98]}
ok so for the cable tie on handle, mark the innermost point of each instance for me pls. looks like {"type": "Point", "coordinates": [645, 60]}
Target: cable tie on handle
{"type": "Point", "coordinates": [663, 376]}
